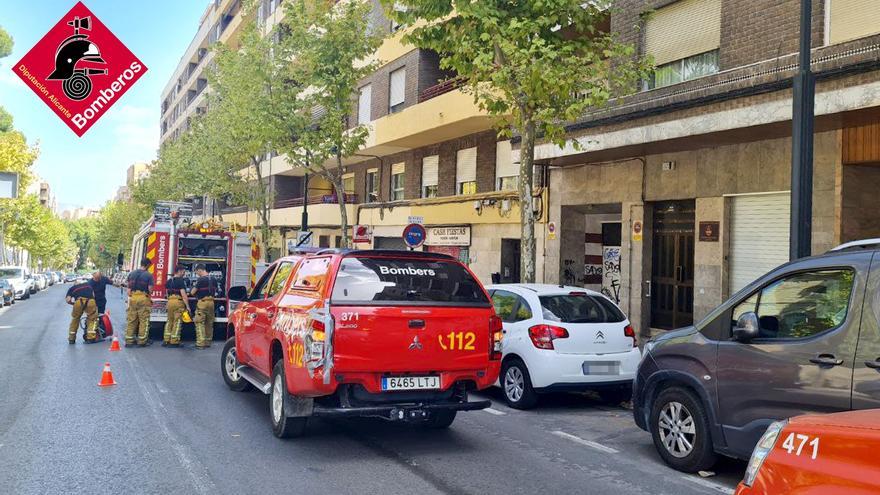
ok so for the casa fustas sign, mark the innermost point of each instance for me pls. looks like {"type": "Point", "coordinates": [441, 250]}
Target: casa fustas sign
{"type": "Point", "coordinates": [79, 69]}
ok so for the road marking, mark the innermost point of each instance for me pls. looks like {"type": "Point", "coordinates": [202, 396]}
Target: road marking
{"type": "Point", "coordinates": [708, 484]}
{"type": "Point", "coordinates": [496, 412]}
{"type": "Point", "coordinates": [586, 443]}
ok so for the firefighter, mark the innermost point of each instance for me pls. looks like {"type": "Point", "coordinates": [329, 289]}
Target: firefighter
{"type": "Point", "coordinates": [82, 297]}
{"type": "Point", "coordinates": [177, 302]}
{"type": "Point", "coordinates": [204, 319]}
{"type": "Point", "coordinates": [140, 282]}
{"type": "Point", "coordinates": [99, 285]}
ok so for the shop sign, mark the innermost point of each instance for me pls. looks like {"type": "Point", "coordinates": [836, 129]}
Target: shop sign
{"type": "Point", "coordinates": [362, 234]}
{"type": "Point", "coordinates": [449, 236]}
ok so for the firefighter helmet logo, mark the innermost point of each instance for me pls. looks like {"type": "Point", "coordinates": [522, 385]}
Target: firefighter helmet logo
{"type": "Point", "coordinates": [73, 50]}
{"type": "Point", "coordinates": [79, 69]}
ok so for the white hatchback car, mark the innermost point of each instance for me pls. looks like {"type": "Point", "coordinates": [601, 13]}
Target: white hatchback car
{"type": "Point", "coordinates": [559, 338]}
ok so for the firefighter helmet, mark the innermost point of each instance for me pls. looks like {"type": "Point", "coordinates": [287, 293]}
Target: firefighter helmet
{"type": "Point", "coordinates": [71, 52]}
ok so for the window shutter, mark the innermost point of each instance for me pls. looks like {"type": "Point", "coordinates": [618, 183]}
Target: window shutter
{"type": "Point", "coordinates": [851, 19]}
{"type": "Point", "coordinates": [504, 164]}
{"type": "Point", "coordinates": [683, 29]}
{"type": "Point", "coordinates": [429, 170]}
{"type": "Point", "coordinates": [398, 86]}
{"type": "Point", "coordinates": [364, 102]}
{"type": "Point", "coordinates": [397, 168]}
{"type": "Point", "coordinates": [466, 165]}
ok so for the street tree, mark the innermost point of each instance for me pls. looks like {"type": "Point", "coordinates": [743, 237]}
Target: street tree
{"type": "Point", "coordinates": [116, 225]}
{"type": "Point", "coordinates": [84, 234]}
{"type": "Point", "coordinates": [324, 48]}
{"type": "Point", "coordinates": [532, 65]}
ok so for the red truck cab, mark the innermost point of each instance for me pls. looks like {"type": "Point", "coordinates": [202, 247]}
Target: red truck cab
{"type": "Point", "coordinates": [391, 334]}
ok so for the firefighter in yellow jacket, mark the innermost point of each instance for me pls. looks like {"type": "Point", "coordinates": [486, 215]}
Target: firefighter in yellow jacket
{"type": "Point", "coordinates": [204, 318]}
{"type": "Point", "coordinates": [140, 282]}
{"type": "Point", "coordinates": [82, 297]}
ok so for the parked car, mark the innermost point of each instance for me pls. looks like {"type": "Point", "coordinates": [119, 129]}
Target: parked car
{"type": "Point", "coordinates": [392, 334]}
{"type": "Point", "coordinates": [71, 277]}
{"type": "Point", "coordinates": [804, 338]}
{"type": "Point", "coordinates": [559, 338]}
{"type": "Point", "coordinates": [53, 277]}
{"type": "Point", "coordinates": [40, 281]}
{"type": "Point", "coordinates": [7, 293]}
{"type": "Point", "coordinates": [829, 453]}
{"type": "Point", "coordinates": [21, 280]}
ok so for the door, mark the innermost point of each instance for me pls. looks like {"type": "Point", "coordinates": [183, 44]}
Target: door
{"type": "Point", "coordinates": [672, 279]}
{"type": "Point", "coordinates": [265, 312]}
{"type": "Point", "coordinates": [510, 261]}
{"type": "Point", "coordinates": [802, 359]}
{"type": "Point", "coordinates": [866, 372]}
{"type": "Point", "coordinates": [759, 234]}
{"type": "Point", "coordinates": [516, 318]}
{"type": "Point", "coordinates": [247, 334]}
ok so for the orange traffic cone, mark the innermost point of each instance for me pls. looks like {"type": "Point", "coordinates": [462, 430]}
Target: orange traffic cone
{"type": "Point", "coordinates": [114, 345]}
{"type": "Point", "coordinates": [107, 377]}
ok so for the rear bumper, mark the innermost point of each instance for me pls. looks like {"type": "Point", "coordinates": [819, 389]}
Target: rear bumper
{"type": "Point", "coordinates": [407, 412]}
{"type": "Point", "coordinates": [549, 368]}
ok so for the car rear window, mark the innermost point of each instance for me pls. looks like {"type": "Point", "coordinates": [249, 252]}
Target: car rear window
{"type": "Point", "coordinates": [580, 308]}
{"type": "Point", "coordinates": [383, 281]}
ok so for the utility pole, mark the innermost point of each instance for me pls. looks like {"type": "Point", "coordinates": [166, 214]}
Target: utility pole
{"type": "Point", "coordinates": [803, 91]}
{"type": "Point", "coordinates": [305, 213]}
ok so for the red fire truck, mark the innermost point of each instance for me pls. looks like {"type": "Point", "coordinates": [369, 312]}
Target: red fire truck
{"type": "Point", "coordinates": [170, 237]}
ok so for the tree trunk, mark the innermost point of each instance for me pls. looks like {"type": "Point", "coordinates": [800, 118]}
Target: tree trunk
{"type": "Point", "coordinates": [263, 209]}
{"type": "Point", "coordinates": [526, 204]}
{"type": "Point", "coordinates": [340, 199]}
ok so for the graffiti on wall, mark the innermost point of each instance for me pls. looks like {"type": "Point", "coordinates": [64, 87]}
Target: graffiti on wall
{"type": "Point", "coordinates": [610, 271]}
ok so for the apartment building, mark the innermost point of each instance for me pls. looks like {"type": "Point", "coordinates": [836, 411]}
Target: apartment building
{"type": "Point", "coordinates": [680, 192]}
{"type": "Point", "coordinates": [184, 95]}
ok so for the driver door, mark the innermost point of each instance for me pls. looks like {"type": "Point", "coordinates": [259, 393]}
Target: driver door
{"type": "Point", "coordinates": [247, 334]}
{"type": "Point", "coordinates": [265, 317]}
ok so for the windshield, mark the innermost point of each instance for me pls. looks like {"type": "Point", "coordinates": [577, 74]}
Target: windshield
{"type": "Point", "coordinates": [405, 281]}
{"type": "Point", "coordinates": [580, 308]}
{"type": "Point", "coordinates": [7, 273]}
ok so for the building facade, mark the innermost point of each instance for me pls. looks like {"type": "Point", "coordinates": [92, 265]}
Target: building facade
{"type": "Point", "coordinates": [680, 193]}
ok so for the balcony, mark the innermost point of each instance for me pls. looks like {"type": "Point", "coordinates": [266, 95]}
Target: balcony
{"type": "Point", "coordinates": [440, 89]}
{"type": "Point", "coordinates": [314, 200]}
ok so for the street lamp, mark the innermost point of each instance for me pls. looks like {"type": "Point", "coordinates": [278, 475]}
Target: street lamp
{"type": "Point", "coordinates": [803, 94]}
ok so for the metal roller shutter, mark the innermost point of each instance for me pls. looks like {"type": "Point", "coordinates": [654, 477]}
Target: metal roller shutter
{"type": "Point", "coordinates": [364, 103]}
{"type": "Point", "coordinates": [429, 170]}
{"type": "Point", "coordinates": [683, 29]}
{"type": "Point", "coordinates": [398, 87]}
{"type": "Point", "coordinates": [466, 165]}
{"type": "Point", "coordinates": [504, 164]}
{"type": "Point", "coordinates": [851, 19]}
{"type": "Point", "coordinates": [759, 235]}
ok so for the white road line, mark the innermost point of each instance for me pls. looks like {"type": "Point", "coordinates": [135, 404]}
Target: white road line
{"type": "Point", "coordinates": [708, 484]}
{"type": "Point", "coordinates": [586, 443]}
{"type": "Point", "coordinates": [496, 412]}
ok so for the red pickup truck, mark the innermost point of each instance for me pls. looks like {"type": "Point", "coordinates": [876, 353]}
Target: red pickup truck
{"type": "Point", "coordinates": [392, 334]}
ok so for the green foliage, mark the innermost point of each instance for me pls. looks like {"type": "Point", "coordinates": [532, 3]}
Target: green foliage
{"type": "Point", "coordinates": [83, 233]}
{"type": "Point", "coordinates": [5, 43]}
{"type": "Point", "coordinates": [32, 227]}
{"type": "Point", "coordinates": [116, 225]}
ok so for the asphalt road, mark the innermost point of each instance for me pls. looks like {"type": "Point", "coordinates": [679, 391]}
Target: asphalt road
{"type": "Point", "coordinates": [171, 426]}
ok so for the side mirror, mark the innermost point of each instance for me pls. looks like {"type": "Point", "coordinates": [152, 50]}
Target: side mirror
{"type": "Point", "coordinates": [238, 293]}
{"type": "Point", "coordinates": [746, 327]}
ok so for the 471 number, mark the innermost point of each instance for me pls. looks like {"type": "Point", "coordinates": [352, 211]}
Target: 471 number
{"type": "Point", "coordinates": [795, 442]}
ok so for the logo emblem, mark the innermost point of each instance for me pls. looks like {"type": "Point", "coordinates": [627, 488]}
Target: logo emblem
{"type": "Point", "coordinates": [79, 69]}
{"type": "Point", "coordinates": [416, 345]}
{"type": "Point", "coordinates": [600, 335]}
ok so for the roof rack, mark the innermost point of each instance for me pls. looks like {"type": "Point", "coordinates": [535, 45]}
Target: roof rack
{"type": "Point", "coordinates": [860, 244]}
{"type": "Point", "coordinates": [386, 252]}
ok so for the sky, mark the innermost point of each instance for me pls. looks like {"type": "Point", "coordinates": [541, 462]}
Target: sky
{"type": "Point", "coordinates": [87, 171]}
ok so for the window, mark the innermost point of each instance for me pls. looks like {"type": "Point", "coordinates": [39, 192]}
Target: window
{"type": "Point", "coordinates": [312, 274]}
{"type": "Point", "coordinates": [372, 185]}
{"type": "Point", "coordinates": [397, 181]}
{"type": "Point", "coordinates": [397, 91]}
{"type": "Point", "coordinates": [280, 278]}
{"type": "Point", "coordinates": [851, 19]}
{"type": "Point", "coordinates": [800, 305]}
{"type": "Point", "coordinates": [261, 289]}
{"type": "Point", "coordinates": [466, 171]}
{"type": "Point", "coordinates": [686, 69]}
{"type": "Point", "coordinates": [364, 102]}
{"type": "Point", "coordinates": [510, 307]}
{"type": "Point", "coordinates": [580, 308]}
{"type": "Point", "coordinates": [429, 176]}
{"type": "Point", "coordinates": [324, 241]}
{"type": "Point", "coordinates": [365, 281]}
{"type": "Point", "coordinates": [506, 170]}
{"type": "Point", "coordinates": [684, 38]}
{"type": "Point", "coordinates": [348, 183]}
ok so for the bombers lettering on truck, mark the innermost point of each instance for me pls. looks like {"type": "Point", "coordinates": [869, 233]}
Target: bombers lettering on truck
{"type": "Point", "coordinates": [407, 270]}
{"type": "Point", "coordinates": [106, 95]}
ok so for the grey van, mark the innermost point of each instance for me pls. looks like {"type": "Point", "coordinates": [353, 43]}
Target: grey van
{"type": "Point", "coordinates": [804, 338]}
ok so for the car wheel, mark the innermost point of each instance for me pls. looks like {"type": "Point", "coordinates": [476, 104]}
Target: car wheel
{"type": "Point", "coordinates": [283, 426]}
{"type": "Point", "coordinates": [680, 429]}
{"type": "Point", "coordinates": [229, 368]}
{"type": "Point", "coordinates": [439, 420]}
{"type": "Point", "coordinates": [517, 385]}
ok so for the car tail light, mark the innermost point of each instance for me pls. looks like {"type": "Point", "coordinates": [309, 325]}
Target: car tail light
{"type": "Point", "coordinates": [579, 294]}
{"type": "Point", "coordinates": [543, 335]}
{"type": "Point", "coordinates": [630, 332]}
{"type": "Point", "coordinates": [496, 333]}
